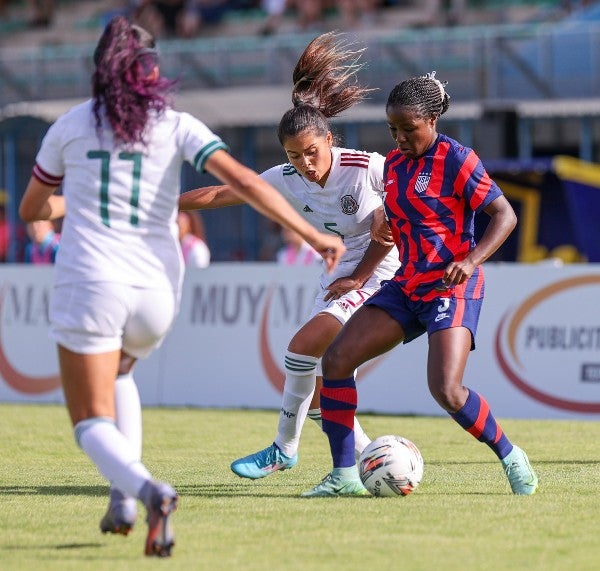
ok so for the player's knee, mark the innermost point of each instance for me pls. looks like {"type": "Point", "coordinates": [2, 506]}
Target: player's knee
{"type": "Point", "coordinates": [448, 395]}
{"type": "Point", "coordinates": [334, 364]}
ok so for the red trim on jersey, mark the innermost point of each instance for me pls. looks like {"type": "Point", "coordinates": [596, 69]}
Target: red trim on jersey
{"type": "Point", "coordinates": [354, 160]}
{"type": "Point", "coordinates": [437, 175]}
{"type": "Point", "coordinates": [465, 172]}
{"type": "Point", "coordinates": [393, 161]}
{"type": "Point", "coordinates": [46, 178]}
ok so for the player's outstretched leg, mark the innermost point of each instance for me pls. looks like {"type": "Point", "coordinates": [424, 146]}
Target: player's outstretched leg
{"type": "Point", "coordinates": [476, 418]}
{"type": "Point", "coordinates": [339, 482]}
{"type": "Point", "coordinates": [263, 463]}
{"type": "Point", "coordinates": [521, 476]}
{"type": "Point", "coordinates": [160, 500]}
{"type": "Point", "coordinates": [121, 514]}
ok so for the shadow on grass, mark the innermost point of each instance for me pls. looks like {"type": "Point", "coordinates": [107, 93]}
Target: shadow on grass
{"type": "Point", "coordinates": [29, 547]}
{"type": "Point", "coordinates": [246, 489]}
{"type": "Point", "coordinates": [92, 491]}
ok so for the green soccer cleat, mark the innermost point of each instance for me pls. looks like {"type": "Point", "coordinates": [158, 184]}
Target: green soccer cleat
{"type": "Point", "coordinates": [338, 484]}
{"type": "Point", "coordinates": [263, 463]}
{"type": "Point", "coordinates": [523, 480]}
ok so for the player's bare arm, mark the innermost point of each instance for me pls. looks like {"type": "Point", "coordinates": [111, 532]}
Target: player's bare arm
{"type": "Point", "coordinates": [380, 228]}
{"type": "Point", "coordinates": [502, 222]}
{"type": "Point", "coordinates": [208, 197]}
{"type": "Point", "coordinates": [374, 255]}
{"type": "Point", "coordinates": [266, 200]}
{"type": "Point", "coordinates": [40, 203]}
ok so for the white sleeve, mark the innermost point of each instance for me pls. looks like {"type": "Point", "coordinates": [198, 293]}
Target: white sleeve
{"type": "Point", "coordinates": [198, 141]}
{"type": "Point", "coordinates": [50, 155]}
{"type": "Point", "coordinates": [376, 173]}
{"type": "Point", "coordinates": [273, 176]}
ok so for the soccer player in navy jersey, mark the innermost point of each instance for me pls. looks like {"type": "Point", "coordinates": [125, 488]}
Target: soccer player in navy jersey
{"type": "Point", "coordinates": [434, 186]}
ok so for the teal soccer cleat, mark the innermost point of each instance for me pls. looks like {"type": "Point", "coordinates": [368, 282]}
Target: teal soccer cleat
{"type": "Point", "coordinates": [523, 480]}
{"type": "Point", "coordinates": [263, 463]}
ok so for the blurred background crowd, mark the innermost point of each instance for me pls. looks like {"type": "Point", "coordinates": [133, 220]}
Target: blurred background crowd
{"type": "Point", "coordinates": [522, 75]}
{"type": "Point", "coordinates": [190, 18]}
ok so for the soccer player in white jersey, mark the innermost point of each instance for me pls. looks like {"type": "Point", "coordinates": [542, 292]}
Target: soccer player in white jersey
{"type": "Point", "coordinates": [334, 189]}
{"type": "Point", "coordinates": [118, 157]}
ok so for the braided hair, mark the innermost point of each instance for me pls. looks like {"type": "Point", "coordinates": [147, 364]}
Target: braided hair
{"type": "Point", "coordinates": [325, 84]}
{"type": "Point", "coordinates": [123, 91]}
{"type": "Point", "coordinates": [425, 94]}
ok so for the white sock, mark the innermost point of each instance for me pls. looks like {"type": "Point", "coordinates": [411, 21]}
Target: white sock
{"type": "Point", "coordinates": [128, 415]}
{"type": "Point", "coordinates": [315, 415]}
{"type": "Point", "coordinates": [128, 411]}
{"type": "Point", "coordinates": [114, 457]}
{"type": "Point", "coordinates": [300, 380]}
{"type": "Point", "coordinates": [361, 440]}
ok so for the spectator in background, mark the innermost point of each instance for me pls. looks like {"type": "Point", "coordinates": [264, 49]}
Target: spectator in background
{"type": "Point", "coordinates": [13, 237]}
{"type": "Point", "coordinates": [296, 251]}
{"type": "Point", "coordinates": [310, 14]}
{"type": "Point", "coordinates": [196, 253]}
{"type": "Point", "coordinates": [167, 18]}
{"type": "Point", "coordinates": [274, 9]}
{"type": "Point", "coordinates": [357, 13]}
{"type": "Point", "coordinates": [41, 13]}
{"type": "Point", "coordinates": [44, 242]}
{"type": "Point", "coordinates": [4, 228]}
{"type": "Point", "coordinates": [177, 18]}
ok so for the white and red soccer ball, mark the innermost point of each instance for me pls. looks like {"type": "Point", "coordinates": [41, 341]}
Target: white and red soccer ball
{"type": "Point", "coordinates": [391, 466]}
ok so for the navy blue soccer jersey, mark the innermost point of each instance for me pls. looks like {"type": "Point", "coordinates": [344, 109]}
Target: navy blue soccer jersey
{"type": "Point", "coordinates": [431, 204]}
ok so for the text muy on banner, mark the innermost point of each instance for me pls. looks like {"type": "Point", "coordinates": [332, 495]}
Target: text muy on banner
{"type": "Point", "coordinates": [537, 356]}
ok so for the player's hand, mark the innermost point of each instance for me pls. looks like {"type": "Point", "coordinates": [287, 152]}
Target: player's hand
{"type": "Point", "coordinates": [458, 272]}
{"type": "Point", "coordinates": [380, 229]}
{"type": "Point", "coordinates": [331, 249]}
{"type": "Point", "coordinates": [340, 287]}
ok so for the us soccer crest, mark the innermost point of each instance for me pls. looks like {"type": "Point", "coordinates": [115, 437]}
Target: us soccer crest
{"type": "Point", "coordinates": [422, 182]}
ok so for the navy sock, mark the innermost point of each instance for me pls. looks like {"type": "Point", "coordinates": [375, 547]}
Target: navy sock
{"type": "Point", "coordinates": [475, 417]}
{"type": "Point", "coordinates": [338, 406]}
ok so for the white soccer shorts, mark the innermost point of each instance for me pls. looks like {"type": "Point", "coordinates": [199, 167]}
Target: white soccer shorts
{"type": "Point", "coordinates": [100, 317]}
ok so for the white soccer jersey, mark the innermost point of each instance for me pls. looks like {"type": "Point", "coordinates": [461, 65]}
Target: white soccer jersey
{"type": "Point", "coordinates": [344, 206]}
{"type": "Point", "coordinates": [122, 204]}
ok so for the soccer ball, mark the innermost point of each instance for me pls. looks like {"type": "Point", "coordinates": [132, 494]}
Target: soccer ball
{"type": "Point", "coordinates": [391, 466]}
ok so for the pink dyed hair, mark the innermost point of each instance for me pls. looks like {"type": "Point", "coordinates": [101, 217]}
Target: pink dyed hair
{"type": "Point", "coordinates": [122, 87]}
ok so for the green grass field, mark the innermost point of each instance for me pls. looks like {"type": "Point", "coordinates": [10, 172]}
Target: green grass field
{"type": "Point", "coordinates": [463, 515]}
